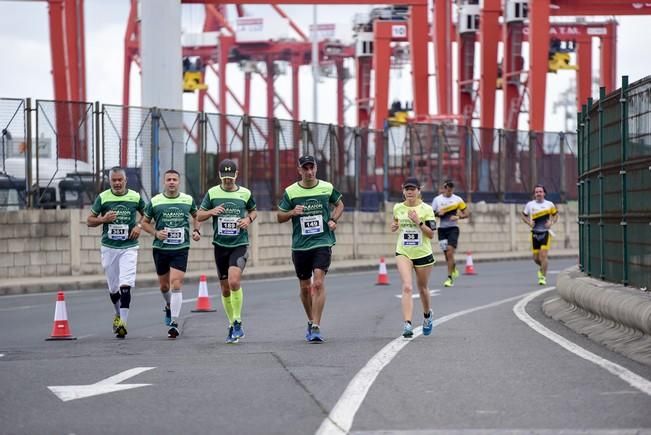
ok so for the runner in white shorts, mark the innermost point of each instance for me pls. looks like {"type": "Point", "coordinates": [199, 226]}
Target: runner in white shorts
{"type": "Point", "coordinates": [115, 209]}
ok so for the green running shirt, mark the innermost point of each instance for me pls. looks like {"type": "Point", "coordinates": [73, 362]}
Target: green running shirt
{"type": "Point", "coordinates": [116, 234]}
{"type": "Point", "coordinates": [311, 230]}
{"type": "Point", "coordinates": [172, 214]}
{"type": "Point", "coordinates": [237, 204]}
{"type": "Point", "coordinates": [412, 243]}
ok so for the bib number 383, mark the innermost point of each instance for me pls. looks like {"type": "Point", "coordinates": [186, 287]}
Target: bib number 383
{"type": "Point", "coordinates": [311, 225]}
{"type": "Point", "coordinates": [175, 236]}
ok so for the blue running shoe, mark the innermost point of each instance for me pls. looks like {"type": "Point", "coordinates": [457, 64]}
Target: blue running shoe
{"type": "Point", "coordinates": [238, 332]}
{"type": "Point", "coordinates": [428, 324]}
{"type": "Point", "coordinates": [168, 315]}
{"type": "Point", "coordinates": [230, 339]}
{"type": "Point", "coordinates": [308, 334]}
{"type": "Point", "coordinates": [408, 330]}
{"type": "Point", "coordinates": [315, 335]}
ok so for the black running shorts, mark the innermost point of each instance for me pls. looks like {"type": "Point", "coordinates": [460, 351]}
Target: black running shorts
{"type": "Point", "coordinates": [230, 257]}
{"type": "Point", "coordinates": [306, 261]}
{"type": "Point", "coordinates": [165, 259]}
{"type": "Point", "coordinates": [451, 234]}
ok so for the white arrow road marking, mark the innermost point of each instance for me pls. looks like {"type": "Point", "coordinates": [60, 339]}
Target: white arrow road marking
{"type": "Point", "coordinates": [108, 385]}
{"type": "Point", "coordinates": [434, 292]}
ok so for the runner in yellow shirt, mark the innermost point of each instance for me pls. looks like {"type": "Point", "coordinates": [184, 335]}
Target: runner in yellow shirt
{"type": "Point", "coordinates": [415, 222]}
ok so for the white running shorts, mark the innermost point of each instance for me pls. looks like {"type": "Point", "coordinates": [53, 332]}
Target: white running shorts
{"type": "Point", "coordinates": [119, 266]}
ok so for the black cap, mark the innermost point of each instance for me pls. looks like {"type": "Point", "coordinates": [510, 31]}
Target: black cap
{"type": "Point", "coordinates": [448, 183]}
{"type": "Point", "coordinates": [304, 160]}
{"type": "Point", "coordinates": [227, 169]}
{"type": "Point", "coordinates": [411, 182]}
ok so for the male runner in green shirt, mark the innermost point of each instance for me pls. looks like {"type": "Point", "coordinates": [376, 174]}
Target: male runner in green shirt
{"type": "Point", "coordinates": [307, 204]}
{"type": "Point", "coordinates": [232, 209]}
{"type": "Point", "coordinates": [115, 209]}
{"type": "Point", "coordinates": [171, 210]}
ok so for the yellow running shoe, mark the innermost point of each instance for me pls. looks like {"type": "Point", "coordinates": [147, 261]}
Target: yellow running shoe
{"type": "Point", "coordinates": [455, 273]}
{"type": "Point", "coordinates": [448, 282]}
{"type": "Point", "coordinates": [542, 280]}
{"type": "Point", "coordinates": [540, 274]}
{"type": "Point", "coordinates": [116, 323]}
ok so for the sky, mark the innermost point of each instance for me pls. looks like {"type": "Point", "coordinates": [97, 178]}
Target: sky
{"type": "Point", "coordinates": [26, 61]}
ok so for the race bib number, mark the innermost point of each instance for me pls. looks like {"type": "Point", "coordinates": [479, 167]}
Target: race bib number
{"type": "Point", "coordinates": [175, 236]}
{"type": "Point", "coordinates": [410, 238]}
{"type": "Point", "coordinates": [311, 225]}
{"type": "Point", "coordinates": [118, 231]}
{"type": "Point", "coordinates": [227, 226]}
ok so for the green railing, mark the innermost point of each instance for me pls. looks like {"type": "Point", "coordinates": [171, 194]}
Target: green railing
{"type": "Point", "coordinates": [614, 185]}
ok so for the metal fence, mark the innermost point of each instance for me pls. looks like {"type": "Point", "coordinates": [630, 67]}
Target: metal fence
{"type": "Point", "coordinates": [58, 153]}
{"type": "Point", "coordinates": [614, 138]}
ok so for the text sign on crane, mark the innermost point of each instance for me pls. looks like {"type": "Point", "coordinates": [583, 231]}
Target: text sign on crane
{"type": "Point", "coordinates": [398, 31]}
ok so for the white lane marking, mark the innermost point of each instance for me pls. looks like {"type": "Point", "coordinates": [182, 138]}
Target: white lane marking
{"type": "Point", "coordinates": [626, 375]}
{"type": "Point", "coordinates": [340, 419]}
{"type": "Point", "coordinates": [108, 385]}
{"type": "Point", "coordinates": [1, 355]}
{"type": "Point", "coordinates": [434, 292]}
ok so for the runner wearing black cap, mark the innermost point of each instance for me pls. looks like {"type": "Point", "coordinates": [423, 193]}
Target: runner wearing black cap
{"type": "Point", "coordinates": [416, 222]}
{"type": "Point", "coordinates": [232, 209]}
{"type": "Point", "coordinates": [307, 203]}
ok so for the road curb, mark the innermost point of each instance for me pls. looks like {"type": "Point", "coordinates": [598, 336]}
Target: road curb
{"type": "Point", "coordinates": [615, 316]}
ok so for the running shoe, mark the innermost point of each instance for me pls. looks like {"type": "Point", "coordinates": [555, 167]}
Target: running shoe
{"type": "Point", "coordinates": [238, 332]}
{"type": "Point", "coordinates": [540, 274]}
{"type": "Point", "coordinates": [308, 334]}
{"type": "Point", "coordinates": [173, 332]}
{"type": "Point", "coordinates": [542, 280]}
{"type": "Point", "coordinates": [168, 315]}
{"type": "Point", "coordinates": [408, 330]}
{"type": "Point", "coordinates": [455, 273]}
{"type": "Point", "coordinates": [448, 282]}
{"type": "Point", "coordinates": [121, 330]}
{"type": "Point", "coordinates": [230, 339]}
{"type": "Point", "coordinates": [116, 323]}
{"type": "Point", "coordinates": [428, 324]}
{"type": "Point", "coordinates": [315, 335]}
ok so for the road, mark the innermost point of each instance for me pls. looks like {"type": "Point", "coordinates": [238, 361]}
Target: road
{"type": "Point", "coordinates": [484, 369]}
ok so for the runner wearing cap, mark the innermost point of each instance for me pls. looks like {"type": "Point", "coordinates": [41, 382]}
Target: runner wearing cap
{"type": "Point", "coordinates": [172, 211]}
{"type": "Point", "coordinates": [416, 222]}
{"type": "Point", "coordinates": [307, 204]}
{"type": "Point", "coordinates": [232, 209]}
{"type": "Point", "coordinates": [449, 208]}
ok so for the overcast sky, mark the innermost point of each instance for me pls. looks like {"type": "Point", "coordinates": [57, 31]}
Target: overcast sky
{"type": "Point", "coordinates": [26, 60]}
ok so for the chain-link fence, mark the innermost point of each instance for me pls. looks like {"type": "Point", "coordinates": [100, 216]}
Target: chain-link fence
{"type": "Point", "coordinates": [614, 147]}
{"type": "Point", "coordinates": [77, 143]}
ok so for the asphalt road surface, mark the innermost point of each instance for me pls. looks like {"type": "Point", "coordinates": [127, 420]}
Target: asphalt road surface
{"type": "Point", "coordinates": [493, 365]}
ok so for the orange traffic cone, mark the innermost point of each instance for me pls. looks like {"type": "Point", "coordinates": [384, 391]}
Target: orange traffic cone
{"type": "Point", "coordinates": [470, 268]}
{"type": "Point", "coordinates": [61, 329]}
{"type": "Point", "coordinates": [382, 276]}
{"type": "Point", "coordinates": [203, 301]}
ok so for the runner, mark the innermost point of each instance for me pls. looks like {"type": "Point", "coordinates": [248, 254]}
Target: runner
{"type": "Point", "coordinates": [307, 204]}
{"type": "Point", "coordinates": [540, 215]}
{"type": "Point", "coordinates": [449, 208]}
{"type": "Point", "coordinates": [115, 209]}
{"type": "Point", "coordinates": [232, 209]}
{"type": "Point", "coordinates": [171, 210]}
{"type": "Point", "coordinates": [416, 223]}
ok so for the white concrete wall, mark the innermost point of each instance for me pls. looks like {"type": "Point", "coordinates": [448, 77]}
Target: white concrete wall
{"type": "Point", "coordinates": [57, 242]}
